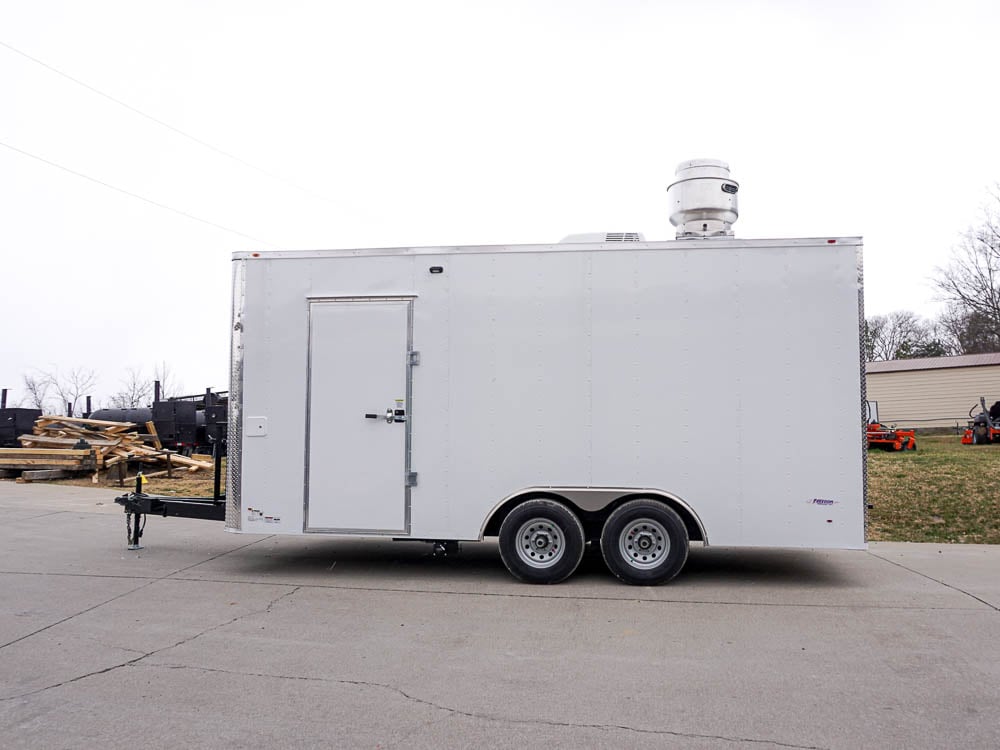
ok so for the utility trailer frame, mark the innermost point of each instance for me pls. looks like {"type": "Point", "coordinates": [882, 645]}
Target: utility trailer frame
{"type": "Point", "coordinates": [552, 396]}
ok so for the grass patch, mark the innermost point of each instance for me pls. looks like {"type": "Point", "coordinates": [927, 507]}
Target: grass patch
{"type": "Point", "coordinates": [942, 492]}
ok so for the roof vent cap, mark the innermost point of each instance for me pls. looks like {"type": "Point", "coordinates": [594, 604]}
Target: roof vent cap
{"type": "Point", "coordinates": [702, 199]}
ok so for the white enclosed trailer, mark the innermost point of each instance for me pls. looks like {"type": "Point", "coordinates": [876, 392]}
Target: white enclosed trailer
{"type": "Point", "coordinates": [633, 394]}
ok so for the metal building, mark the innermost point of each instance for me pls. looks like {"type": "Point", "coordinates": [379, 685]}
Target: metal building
{"type": "Point", "coordinates": [935, 391]}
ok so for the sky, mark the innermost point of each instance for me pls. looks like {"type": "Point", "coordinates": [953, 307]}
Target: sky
{"type": "Point", "coordinates": [304, 125]}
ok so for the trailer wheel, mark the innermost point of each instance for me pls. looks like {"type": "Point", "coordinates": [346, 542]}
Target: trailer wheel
{"type": "Point", "coordinates": [644, 542]}
{"type": "Point", "coordinates": [541, 541]}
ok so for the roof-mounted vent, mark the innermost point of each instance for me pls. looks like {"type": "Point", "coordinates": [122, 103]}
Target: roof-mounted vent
{"type": "Point", "coordinates": [703, 199]}
{"type": "Point", "coordinates": [604, 237]}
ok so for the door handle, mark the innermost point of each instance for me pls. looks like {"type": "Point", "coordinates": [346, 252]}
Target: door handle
{"type": "Point", "coordinates": [391, 415]}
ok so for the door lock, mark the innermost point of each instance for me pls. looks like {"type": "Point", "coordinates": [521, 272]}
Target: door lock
{"type": "Point", "coordinates": [391, 415]}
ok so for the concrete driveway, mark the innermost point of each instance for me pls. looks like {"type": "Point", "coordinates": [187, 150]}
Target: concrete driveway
{"type": "Point", "coordinates": [208, 639]}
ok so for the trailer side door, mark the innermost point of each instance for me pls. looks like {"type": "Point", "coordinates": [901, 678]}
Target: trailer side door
{"type": "Point", "coordinates": [358, 415]}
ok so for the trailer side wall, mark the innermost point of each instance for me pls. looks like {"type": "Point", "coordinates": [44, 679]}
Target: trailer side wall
{"type": "Point", "coordinates": [724, 372]}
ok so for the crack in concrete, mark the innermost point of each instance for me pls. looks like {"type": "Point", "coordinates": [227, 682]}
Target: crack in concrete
{"type": "Point", "coordinates": [221, 554]}
{"type": "Point", "coordinates": [542, 597]}
{"type": "Point", "coordinates": [78, 614]}
{"type": "Point", "coordinates": [149, 582]}
{"type": "Point", "coordinates": [931, 578]}
{"type": "Point", "coordinates": [113, 646]}
{"type": "Point", "coordinates": [147, 654]}
{"type": "Point", "coordinates": [451, 711]}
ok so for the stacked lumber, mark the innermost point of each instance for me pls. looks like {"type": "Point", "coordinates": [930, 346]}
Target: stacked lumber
{"type": "Point", "coordinates": [47, 463]}
{"type": "Point", "coordinates": [55, 443]}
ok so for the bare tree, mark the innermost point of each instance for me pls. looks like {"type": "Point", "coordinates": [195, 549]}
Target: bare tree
{"type": "Point", "coordinates": [968, 332]}
{"type": "Point", "coordinates": [168, 382]}
{"type": "Point", "coordinates": [71, 386]}
{"type": "Point", "coordinates": [895, 335]}
{"type": "Point", "coordinates": [134, 392]}
{"type": "Point", "coordinates": [37, 389]}
{"type": "Point", "coordinates": [970, 283]}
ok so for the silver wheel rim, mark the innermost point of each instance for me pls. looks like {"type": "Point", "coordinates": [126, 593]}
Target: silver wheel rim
{"type": "Point", "coordinates": [644, 544]}
{"type": "Point", "coordinates": [540, 543]}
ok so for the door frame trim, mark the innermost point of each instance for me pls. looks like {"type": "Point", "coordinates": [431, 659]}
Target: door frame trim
{"type": "Point", "coordinates": [408, 425]}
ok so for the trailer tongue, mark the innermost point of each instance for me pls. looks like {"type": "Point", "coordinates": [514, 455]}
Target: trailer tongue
{"type": "Point", "coordinates": [139, 504]}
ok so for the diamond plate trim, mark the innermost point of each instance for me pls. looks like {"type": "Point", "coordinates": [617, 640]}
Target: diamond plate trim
{"type": "Point", "coordinates": [864, 389]}
{"type": "Point", "coordinates": [234, 451]}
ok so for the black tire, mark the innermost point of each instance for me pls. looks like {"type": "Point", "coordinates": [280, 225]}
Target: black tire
{"type": "Point", "coordinates": [645, 522]}
{"type": "Point", "coordinates": [541, 541]}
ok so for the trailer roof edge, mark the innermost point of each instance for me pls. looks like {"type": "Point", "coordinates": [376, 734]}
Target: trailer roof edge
{"type": "Point", "coordinates": [689, 244]}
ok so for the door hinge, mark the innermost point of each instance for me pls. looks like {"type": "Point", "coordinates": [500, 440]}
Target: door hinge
{"type": "Point", "coordinates": [414, 358]}
{"type": "Point", "coordinates": [411, 479]}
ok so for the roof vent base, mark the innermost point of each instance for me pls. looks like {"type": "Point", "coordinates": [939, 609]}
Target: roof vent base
{"type": "Point", "coordinates": [697, 229]}
{"type": "Point", "coordinates": [603, 237]}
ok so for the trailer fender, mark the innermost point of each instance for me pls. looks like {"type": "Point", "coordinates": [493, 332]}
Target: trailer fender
{"type": "Point", "coordinates": [594, 501]}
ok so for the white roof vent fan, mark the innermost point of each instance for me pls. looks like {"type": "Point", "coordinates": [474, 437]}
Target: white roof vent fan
{"type": "Point", "coordinates": [702, 199]}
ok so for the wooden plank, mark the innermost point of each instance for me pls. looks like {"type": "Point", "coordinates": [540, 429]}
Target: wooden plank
{"type": "Point", "coordinates": [69, 433]}
{"type": "Point", "coordinates": [123, 427]}
{"type": "Point", "coordinates": [54, 452]}
{"type": "Point", "coordinates": [57, 457]}
{"type": "Point", "coordinates": [151, 428]}
{"type": "Point", "coordinates": [22, 462]}
{"type": "Point", "coordinates": [147, 455]}
{"type": "Point", "coordinates": [44, 474]}
{"type": "Point", "coordinates": [46, 440]}
{"type": "Point", "coordinates": [185, 461]}
{"type": "Point", "coordinates": [129, 456]}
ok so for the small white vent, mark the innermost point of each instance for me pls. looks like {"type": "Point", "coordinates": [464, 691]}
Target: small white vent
{"type": "Point", "coordinates": [604, 237]}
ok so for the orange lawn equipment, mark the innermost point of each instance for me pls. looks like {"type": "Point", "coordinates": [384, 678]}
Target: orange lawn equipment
{"type": "Point", "coordinates": [984, 427]}
{"type": "Point", "coordinates": [891, 439]}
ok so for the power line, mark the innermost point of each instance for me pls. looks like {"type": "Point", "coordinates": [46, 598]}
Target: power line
{"type": "Point", "coordinates": [167, 125]}
{"type": "Point", "coordinates": [136, 195]}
